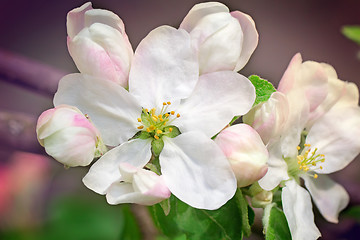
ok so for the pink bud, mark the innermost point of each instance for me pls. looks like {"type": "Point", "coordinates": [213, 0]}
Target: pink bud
{"type": "Point", "coordinates": [245, 151]}
{"type": "Point", "coordinates": [68, 136]}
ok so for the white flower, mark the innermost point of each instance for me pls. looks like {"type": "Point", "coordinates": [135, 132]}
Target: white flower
{"type": "Point", "coordinates": [319, 137]}
{"type": "Point", "coordinates": [98, 44]}
{"type": "Point", "coordinates": [137, 186]}
{"type": "Point", "coordinates": [245, 151]}
{"type": "Point", "coordinates": [225, 41]}
{"type": "Point", "coordinates": [165, 91]}
{"type": "Point", "coordinates": [68, 136]}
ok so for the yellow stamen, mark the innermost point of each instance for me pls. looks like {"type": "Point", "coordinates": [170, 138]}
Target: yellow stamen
{"type": "Point", "coordinates": [170, 129]}
{"type": "Point", "coordinates": [167, 115]}
{"type": "Point", "coordinates": [172, 112]}
{"type": "Point", "coordinates": [307, 145]}
{"type": "Point", "coordinates": [156, 137]}
{"type": "Point", "coordinates": [152, 127]}
{"type": "Point", "coordinates": [178, 115]}
{"type": "Point", "coordinates": [164, 103]}
{"type": "Point", "coordinates": [168, 103]}
{"type": "Point", "coordinates": [316, 176]}
{"type": "Point", "coordinates": [140, 127]}
{"type": "Point", "coordinates": [158, 131]}
{"type": "Point", "coordinates": [139, 119]}
{"type": "Point", "coordinates": [298, 148]}
{"type": "Point", "coordinates": [148, 129]}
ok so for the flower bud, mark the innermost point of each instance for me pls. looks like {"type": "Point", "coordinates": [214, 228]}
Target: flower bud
{"type": "Point", "coordinates": [98, 44]}
{"type": "Point", "coordinates": [269, 118]}
{"type": "Point", "coordinates": [138, 186]}
{"type": "Point", "coordinates": [245, 151]}
{"type": "Point", "coordinates": [225, 40]}
{"type": "Point", "coordinates": [68, 136]}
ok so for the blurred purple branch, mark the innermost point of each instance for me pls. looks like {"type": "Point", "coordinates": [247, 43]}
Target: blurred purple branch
{"type": "Point", "coordinates": [146, 224]}
{"type": "Point", "coordinates": [17, 132]}
{"type": "Point", "coordinates": [28, 73]}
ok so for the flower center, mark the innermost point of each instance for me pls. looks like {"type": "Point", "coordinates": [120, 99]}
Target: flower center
{"type": "Point", "coordinates": [309, 160]}
{"type": "Point", "coordinates": [157, 124]}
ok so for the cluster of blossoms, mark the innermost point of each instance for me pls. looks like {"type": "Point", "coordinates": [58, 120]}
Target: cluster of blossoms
{"type": "Point", "coordinates": [155, 122]}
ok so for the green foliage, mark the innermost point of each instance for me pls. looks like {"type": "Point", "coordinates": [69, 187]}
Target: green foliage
{"type": "Point", "coordinates": [277, 228]}
{"type": "Point", "coordinates": [352, 33]}
{"type": "Point", "coordinates": [263, 88]}
{"type": "Point", "coordinates": [80, 218]}
{"type": "Point", "coordinates": [230, 222]}
{"type": "Point", "coordinates": [353, 212]}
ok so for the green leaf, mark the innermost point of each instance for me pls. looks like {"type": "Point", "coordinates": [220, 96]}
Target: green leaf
{"type": "Point", "coordinates": [352, 33]}
{"type": "Point", "coordinates": [277, 228]}
{"type": "Point", "coordinates": [353, 212]}
{"type": "Point", "coordinates": [244, 211]}
{"type": "Point", "coordinates": [263, 88]}
{"type": "Point", "coordinates": [198, 224]}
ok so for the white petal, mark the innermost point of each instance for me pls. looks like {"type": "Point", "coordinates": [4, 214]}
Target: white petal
{"type": "Point", "coordinates": [330, 197]}
{"type": "Point", "coordinates": [221, 50]}
{"type": "Point", "coordinates": [104, 17]}
{"type": "Point", "coordinates": [196, 171]}
{"type": "Point", "coordinates": [298, 211]}
{"type": "Point", "coordinates": [76, 19]}
{"type": "Point", "coordinates": [105, 171]}
{"type": "Point", "coordinates": [110, 107]}
{"type": "Point", "coordinates": [277, 168]}
{"type": "Point", "coordinates": [250, 38]}
{"type": "Point", "coordinates": [336, 135]}
{"type": "Point", "coordinates": [199, 11]}
{"type": "Point", "coordinates": [164, 67]}
{"type": "Point", "coordinates": [151, 184]}
{"type": "Point", "coordinates": [245, 151]}
{"type": "Point", "coordinates": [216, 99]}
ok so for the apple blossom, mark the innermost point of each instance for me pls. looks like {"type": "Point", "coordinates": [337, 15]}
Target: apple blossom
{"type": "Point", "coordinates": [318, 137]}
{"type": "Point", "coordinates": [224, 40]}
{"type": "Point", "coordinates": [245, 151]}
{"type": "Point", "coordinates": [69, 136]}
{"type": "Point", "coordinates": [167, 105]}
{"type": "Point", "coordinates": [98, 44]}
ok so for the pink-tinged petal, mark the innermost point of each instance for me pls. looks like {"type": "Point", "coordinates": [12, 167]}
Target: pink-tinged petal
{"type": "Point", "coordinates": [226, 94]}
{"type": "Point", "coordinates": [245, 151]}
{"type": "Point", "coordinates": [101, 51]}
{"type": "Point", "coordinates": [199, 11]}
{"type": "Point", "coordinates": [250, 38]}
{"type": "Point", "coordinates": [76, 19]}
{"type": "Point", "coordinates": [277, 168]}
{"type": "Point", "coordinates": [298, 211]}
{"type": "Point", "coordinates": [309, 78]}
{"type": "Point", "coordinates": [164, 67]}
{"type": "Point", "coordinates": [329, 197]}
{"type": "Point", "coordinates": [349, 96]}
{"type": "Point", "coordinates": [72, 146]}
{"type": "Point", "coordinates": [196, 171]}
{"type": "Point", "coordinates": [270, 117]}
{"type": "Point", "coordinates": [110, 107]}
{"type": "Point", "coordinates": [105, 171]}
{"type": "Point", "coordinates": [336, 135]}
{"type": "Point", "coordinates": [150, 184]}
{"type": "Point", "coordinates": [137, 186]}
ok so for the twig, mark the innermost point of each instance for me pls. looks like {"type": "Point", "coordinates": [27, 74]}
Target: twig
{"type": "Point", "coordinates": [146, 224]}
{"type": "Point", "coordinates": [28, 73]}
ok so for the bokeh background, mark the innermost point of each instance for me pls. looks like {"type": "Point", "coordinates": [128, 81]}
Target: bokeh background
{"type": "Point", "coordinates": [39, 199]}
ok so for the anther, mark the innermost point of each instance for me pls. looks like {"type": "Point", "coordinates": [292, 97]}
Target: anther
{"type": "Point", "coordinates": [170, 129]}
{"type": "Point", "coordinates": [164, 103]}
{"type": "Point", "coordinates": [140, 127]}
{"type": "Point", "coordinates": [152, 127]}
{"type": "Point", "coordinates": [156, 137]}
{"type": "Point", "coordinates": [148, 129]}
{"type": "Point", "coordinates": [172, 112]}
{"type": "Point", "coordinates": [158, 131]}
{"type": "Point", "coordinates": [139, 119]}
{"type": "Point", "coordinates": [298, 148]}
{"type": "Point", "coordinates": [168, 103]}
{"type": "Point", "coordinates": [316, 176]}
{"type": "Point", "coordinates": [167, 115]}
{"type": "Point", "coordinates": [178, 115]}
